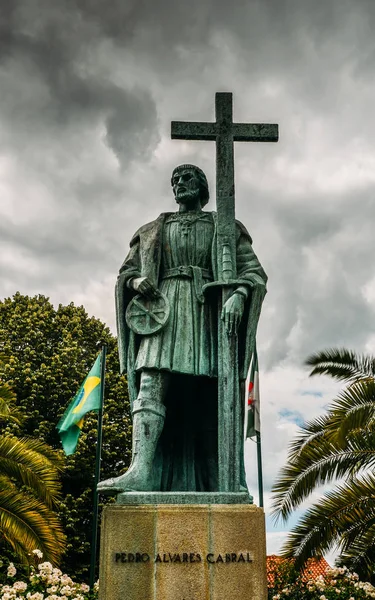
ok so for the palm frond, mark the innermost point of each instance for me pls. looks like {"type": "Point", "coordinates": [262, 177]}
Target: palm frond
{"type": "Point", "coordinates": [353, 409]}
{"type": "Point", "coordinates": [359, 556]}
{"type": "Point", "coordinates": [29, 489]}
{"type": "Point", "coordinates": [311, 433]}
{"type": "Point", "coordinates": [341, 364]}
{"type": "Point", "coordinates": [26, 523]}
{"type": "Point", "coordinates": [326, 522]}
{"type": "Point", "coordinates": [319, 465]}
{"type": "Point", "coordinates": [32, 463]}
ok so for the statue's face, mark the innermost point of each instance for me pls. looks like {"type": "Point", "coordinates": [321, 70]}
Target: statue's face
{"type": "Point", "coordinates": [186, 187]}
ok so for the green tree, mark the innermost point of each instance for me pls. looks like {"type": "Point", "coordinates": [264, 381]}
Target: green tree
{"type": "Point", "coordinates": [50, 351]}
{"type": "Point", "coordinates": [336, 447]}
{"type": "Point", "coordinates": [29, 489]}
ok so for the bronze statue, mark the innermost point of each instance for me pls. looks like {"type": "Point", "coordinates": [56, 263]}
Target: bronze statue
{"type": "Point", "coordinates": [168, 304]}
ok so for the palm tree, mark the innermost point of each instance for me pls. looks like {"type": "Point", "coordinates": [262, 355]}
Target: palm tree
{"type": "Point", "coordinates": [29, 489]}
{"type": "Point", "coordinates": [338, 446]}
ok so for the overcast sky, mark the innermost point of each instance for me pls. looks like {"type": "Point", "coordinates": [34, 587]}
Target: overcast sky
{"type": "Point", "coordinates": [88, 90]}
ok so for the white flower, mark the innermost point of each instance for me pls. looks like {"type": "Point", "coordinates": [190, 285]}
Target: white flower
{"type": "Point", "coordinates": [56, 572]}
{"type": "Point", "coordinates": [35, 596]}
{"type": "Point", "coordinates": [8, 592]}
{"type": "Point", "coordinates": [96, 586]}
{"type": "Point", "coordinates": [52, 589]}
{"type": "Point", "coordinates": [38, 553]}
{"type": "Point", "coordinates": [322, 597]}
{"type": "Point", "coordinates": [66, 580]}
{"type": "Point", "coordinates": [66, 590]}
{"type": "Point", "coordinates": [85, 588]}
{"type": "Point", "coordinates": [46, 567]}
{"type": "Point", "coordinates": [20, 585]}
{"type": "Point", "coordinates": [11, 570]}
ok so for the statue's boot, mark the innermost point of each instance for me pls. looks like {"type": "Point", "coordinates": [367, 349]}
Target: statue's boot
{"type": "Point", "coordinates": [148, 422]}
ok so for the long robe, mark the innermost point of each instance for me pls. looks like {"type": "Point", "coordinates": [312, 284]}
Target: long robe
{"type": "Point", "coordinates": [187, 345]}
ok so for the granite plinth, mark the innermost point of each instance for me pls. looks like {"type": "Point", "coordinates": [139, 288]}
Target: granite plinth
{"type": "Point", "coordinates": [183, 552]}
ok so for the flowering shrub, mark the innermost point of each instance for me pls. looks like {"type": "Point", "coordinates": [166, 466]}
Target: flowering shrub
{"type": "Point", "coordinates": [335, 584]}
{"type": "Point", "coordinates": [44, 582]}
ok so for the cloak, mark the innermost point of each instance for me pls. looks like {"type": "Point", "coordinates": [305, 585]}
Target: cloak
{"type": "Point", "coordinates": [144, 260]}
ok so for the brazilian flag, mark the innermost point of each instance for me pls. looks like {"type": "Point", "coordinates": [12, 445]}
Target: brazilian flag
{"type": "Point", "coordinates": [88, 398]}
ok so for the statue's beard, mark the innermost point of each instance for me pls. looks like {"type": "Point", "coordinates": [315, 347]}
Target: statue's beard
{"type": "Point", "coordinates": [188, 197]}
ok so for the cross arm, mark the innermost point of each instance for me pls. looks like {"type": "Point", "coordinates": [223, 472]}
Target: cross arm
{"type": "Point", "coordinates": [184, 130]}
{"type": "Point", "coordinates": [258, 132]}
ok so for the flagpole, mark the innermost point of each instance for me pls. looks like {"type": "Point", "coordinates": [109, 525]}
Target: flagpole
{"type": "Point", "coordinates": [260, 470]}
{"type": "Point", "coordinates": [94, 538]}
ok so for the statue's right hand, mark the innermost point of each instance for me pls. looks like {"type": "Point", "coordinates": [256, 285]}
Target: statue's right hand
{"type": "Point", "coordinates": [143, 286]}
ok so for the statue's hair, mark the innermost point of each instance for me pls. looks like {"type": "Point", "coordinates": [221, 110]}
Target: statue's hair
{"type": "Point", "coordinates": [205, 195]}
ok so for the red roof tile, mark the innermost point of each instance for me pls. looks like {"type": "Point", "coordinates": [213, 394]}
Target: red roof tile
{"type": "Point", "coordinates": [314, 567]}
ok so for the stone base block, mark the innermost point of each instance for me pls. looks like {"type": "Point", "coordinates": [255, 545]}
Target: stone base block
{"type": "Point", "coordinates": [186, 552]}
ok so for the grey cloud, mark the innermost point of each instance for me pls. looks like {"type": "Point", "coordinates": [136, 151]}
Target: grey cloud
{"type": "Point", "coordinates": [316, 280]}
{"type": "Point", "coordinates": [52, 42]}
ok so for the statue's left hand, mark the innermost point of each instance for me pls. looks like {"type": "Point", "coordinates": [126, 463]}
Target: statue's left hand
{"type": "Point", "coordinates": [232, 313]}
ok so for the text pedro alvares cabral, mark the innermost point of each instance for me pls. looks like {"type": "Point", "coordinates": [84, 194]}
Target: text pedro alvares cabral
{"type": "Point", "coordinates": [183, 557]}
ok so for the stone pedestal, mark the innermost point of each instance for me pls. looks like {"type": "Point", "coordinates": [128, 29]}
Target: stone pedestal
{"type": "Point", "coordinates": [183, 552]}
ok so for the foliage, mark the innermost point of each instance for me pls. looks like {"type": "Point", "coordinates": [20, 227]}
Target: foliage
{"type": "Point", "coordinates": [29, 492]}
{"type": "Point", "coordinates": [290, 584]}
{"type": "Point", "coordinates": [338, 445]}
{"type": "Point", "coordinates": [42, 582]}
{"type": "Point", "coordinates": [29, 488]}
{"type": "Point", "coordinates": [49, 353]}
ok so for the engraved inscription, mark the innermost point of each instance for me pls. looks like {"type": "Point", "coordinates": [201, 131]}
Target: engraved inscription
{"type": "Point", "coordinates": [184, 557]}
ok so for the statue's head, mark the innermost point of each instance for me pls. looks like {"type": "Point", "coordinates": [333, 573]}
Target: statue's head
{"type": "Point", "coordinates": [189, 184]}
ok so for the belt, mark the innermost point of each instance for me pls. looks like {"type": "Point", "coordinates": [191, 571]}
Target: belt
{"type": "Point", "coordinates": [195, 273]}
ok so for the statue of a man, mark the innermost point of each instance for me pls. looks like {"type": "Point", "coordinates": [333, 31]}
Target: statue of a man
{"type": "Point", "coordinates": [172, 373]}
